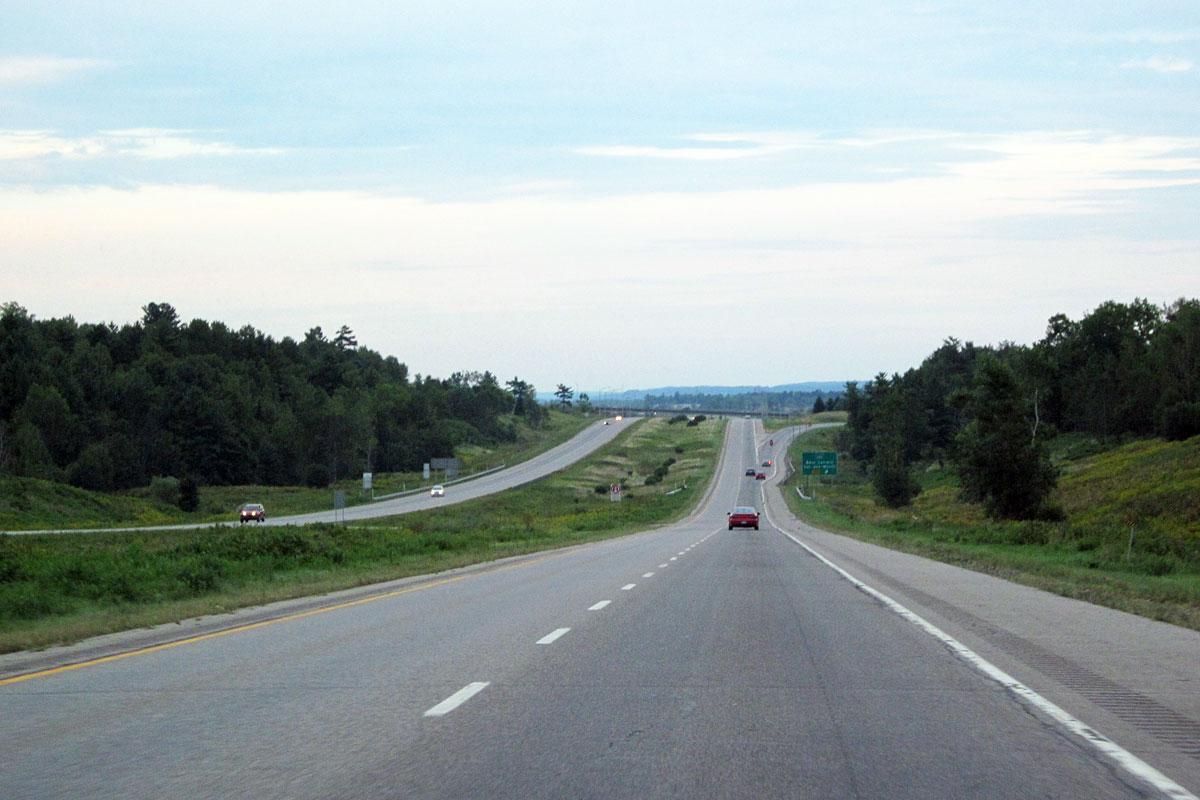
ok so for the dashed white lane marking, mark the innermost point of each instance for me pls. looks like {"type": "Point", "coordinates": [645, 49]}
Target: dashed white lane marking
{"type": "Point", "coordinates": [628, 586]}
{"type": "Point", "coordinates": [681, 552]}
{"type": "Point", "coordinates": [599, 605]}
{"type": "Point", "coordinates": [662, 566]}
{"type": "Point", "coordinates": [1107, 747]}
{"type": "Point", "coordinates": [673, 558]}
{"type": "Point", "coordinates": [647, 574]}
{"type": "Point", "coordinates": [457, 699]}
{"type": "Point", "coordinates": [552, 635]}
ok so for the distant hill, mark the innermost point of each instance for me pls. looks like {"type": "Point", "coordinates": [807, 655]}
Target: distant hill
{"type": "Point", "coordinates": [638, 395]}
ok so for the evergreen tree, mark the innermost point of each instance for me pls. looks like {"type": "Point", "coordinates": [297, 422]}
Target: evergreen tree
{"type": "Point", "coordinates": [890, 473]}
{"type": "Point", "coordinates": [345, 339]}
{"type": "Point", "coordinates": [999, 462]}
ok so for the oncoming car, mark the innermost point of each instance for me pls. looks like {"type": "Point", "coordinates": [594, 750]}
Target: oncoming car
{"type": "Point", "coordinates": [762, 476]}
{"type": "Point", "coordinates": [437, 491]}
{"type": "Point", "coordinates": [743, 517]}
{"type": "Point", "coordinates": [252, 512]}
{"type": "Point", "coordinates": [750, 472]}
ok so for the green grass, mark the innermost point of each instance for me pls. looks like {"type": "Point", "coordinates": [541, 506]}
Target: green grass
{"type": "Point", "coordinates": [32, 504]}
{"type": "Point", "coordinates": [57, 589]}
{"type": "Point", "coordinates": [1150, 485]}
{"type": "Point", "coordinates": [774, 424]}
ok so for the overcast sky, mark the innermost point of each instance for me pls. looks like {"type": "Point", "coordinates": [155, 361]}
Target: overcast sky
{"type": "Point", "coordinates": [611, 195]}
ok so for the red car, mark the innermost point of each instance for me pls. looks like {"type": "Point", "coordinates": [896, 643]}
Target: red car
{"type": "Point", "coordinates": [743, 517]}
{"type": "Point", "coordinates": [253, 512]}
{"type": "Point", "coordinates": [762, 476]}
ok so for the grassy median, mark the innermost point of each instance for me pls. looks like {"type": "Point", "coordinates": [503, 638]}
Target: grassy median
{"type": "Point", "coordinates": [63, 588]}
{"type": "Point", "coordinates": [1131, 538]}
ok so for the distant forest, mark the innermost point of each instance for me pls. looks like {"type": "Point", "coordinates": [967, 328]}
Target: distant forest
{"type": "Point", "coordinates": [749, 402]}
{"type": "Point", "coordinates": [1124, 370]}
{"type": "Point", "coordinates": [108, 407]}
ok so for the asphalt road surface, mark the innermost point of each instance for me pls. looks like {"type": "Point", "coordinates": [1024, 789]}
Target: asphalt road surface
{"type": "Point", "coordinates": [560, 457]}
{"type": "Point", "coordinates": [685, 662]}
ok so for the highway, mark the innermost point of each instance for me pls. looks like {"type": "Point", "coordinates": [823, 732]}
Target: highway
{"type": "Point", "coordinates": [559, 457]}
{"type": "Point", "coordinates": [684, 662]}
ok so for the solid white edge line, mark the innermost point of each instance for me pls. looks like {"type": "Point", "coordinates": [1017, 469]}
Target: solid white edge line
{"type": "Point", "coordinates": [1107, 747]}
{"type": "Point", "coordinates": [628, 586]}
{"type": "Point", "coordinates": [647, 574]}
{"type": "Point", "coordinates": [552, 635]}
{"type": "Point", "coordinates": [599, 605]}
{"type": "Point", "coordinates": [457, 699]}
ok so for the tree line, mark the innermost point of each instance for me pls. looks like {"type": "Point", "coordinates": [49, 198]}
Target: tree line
{"type": "Point", "coordinates": [1123, 370]}
{"type": "Point", "coordinates": [108, 407]}
{"type": "Point", "coordinates": [746, 402]}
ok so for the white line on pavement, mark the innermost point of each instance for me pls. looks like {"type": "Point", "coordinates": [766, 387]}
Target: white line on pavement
{"type": "Point", "coordinates": [1119, 755]}
{"type": "Point", "coordinates": [662, 566]}
{"type": "Point", "coordinates": [673, 558]}
{"type": "Point", "coordinates": [599, 605]}
{"type": "Point", "coordinates": [457, 699]}
{"type": "Point", "coordinates": [552, 635]}
{"type": "Point", "coordinates": [628, 586]}
{"type": "Point", "coordinates": [647, 574]}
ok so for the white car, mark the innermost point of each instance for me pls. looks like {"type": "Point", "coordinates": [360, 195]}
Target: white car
{"type": "Point", "coordinates": [437, 491]}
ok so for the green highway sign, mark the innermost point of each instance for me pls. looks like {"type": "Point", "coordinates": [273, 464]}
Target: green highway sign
{"type": "Point", "coordinates": [818, 462]}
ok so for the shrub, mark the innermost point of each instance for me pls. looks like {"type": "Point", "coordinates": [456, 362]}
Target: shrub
{"type": "Point", "coordinates": [1181, 421]}
{"type": "Point", "coordinates": [189, 494]}
{"type": "Point", "coordinates": [601, 488]}
{"type": "Point", "coordinates": [165, 489]}
{"type": "Point", "coordinates": [317, 477]}
{"type": "Point", "coordinates": [678, 418]}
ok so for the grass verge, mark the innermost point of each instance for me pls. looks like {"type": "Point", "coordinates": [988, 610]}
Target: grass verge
{"type": "Point", "coordinates": [33, 504]}
{"type": "Point", "coordinates": [1149, 485]}
{"type": "Point", "coordinates": [774, 424]}
{"type": "Point", "coordinates": [59, 589]}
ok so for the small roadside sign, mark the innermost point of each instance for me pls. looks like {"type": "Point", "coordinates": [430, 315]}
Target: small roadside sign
{"type": "Point", "coordinates": [819, 462]}
{"type": "Point", "coordinates": [614, 493]}
{"type": "Point", "coordinates": [367, 476]}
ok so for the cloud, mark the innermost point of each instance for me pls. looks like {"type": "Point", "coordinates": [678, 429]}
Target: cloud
{"type": "Point", "coordinates": [145, 143]}
{"type": "Point", "coordinates": [755, 144]}
{"type": "Point", "coordinates": [1163, 64]}
{"type": "Point", "coordinates": [42, 69]}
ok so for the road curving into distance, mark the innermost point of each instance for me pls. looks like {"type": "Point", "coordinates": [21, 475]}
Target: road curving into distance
{"type": "Point", "coordinates": [559, 457]}
{"type": "Point", "coordinates": [689, 661]}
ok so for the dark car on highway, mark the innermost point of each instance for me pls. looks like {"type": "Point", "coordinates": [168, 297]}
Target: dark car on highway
{"type": "Point", "coordinates": [750, 472]}
{"type": "Point", "coordinates": [252, 512]}
{"type": "Point", "coordinates": [743, 517]}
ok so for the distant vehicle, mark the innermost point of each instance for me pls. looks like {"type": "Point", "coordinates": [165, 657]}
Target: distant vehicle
{"type": "Point", "coordinates": [750, 472]}
{"type": "Point", "coordinates": [768, 463]}
{"type": "Point", "coordinates": [605, 422]}
{"type": "Point", "coordinates": [743, 517]}
{"type": "Point", "coordinates": [252, 512]}
{"type": "Point", "coordinates": [745, 416]}
{"type": "Point", "coordinates": [437, 491]}
{"type": "Point", "coordinates": [762, 476]}
{"type": "Point", "coordinates": [618, 418]}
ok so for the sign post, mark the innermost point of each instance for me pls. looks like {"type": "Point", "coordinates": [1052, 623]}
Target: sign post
{"type": "Point", "coordinates": [614, 493]}
{"type": "Point", "coordinates": [368, 484]}
{"type": "Point", "coordinates": [339, 505]}
{"type": "Point", "coordinates": [818, 462]}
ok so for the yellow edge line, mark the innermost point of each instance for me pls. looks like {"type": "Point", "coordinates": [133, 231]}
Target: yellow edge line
{"type": "Point", "coordinates": [312, 612]}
